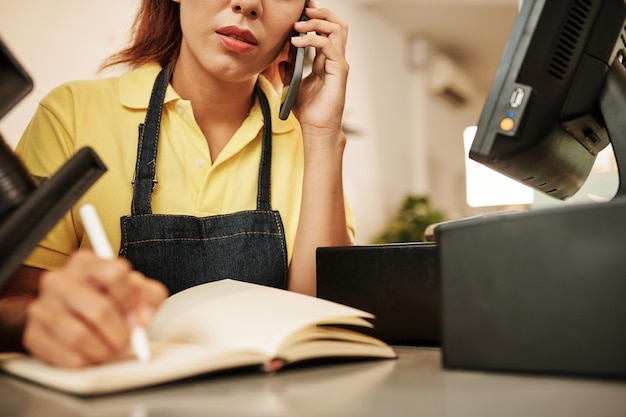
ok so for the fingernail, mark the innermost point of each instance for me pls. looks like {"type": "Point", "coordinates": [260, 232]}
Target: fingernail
{"type": "Point", "coordinates": [131, 319]}
{"type": "Point", "coordinates": [145, 314]}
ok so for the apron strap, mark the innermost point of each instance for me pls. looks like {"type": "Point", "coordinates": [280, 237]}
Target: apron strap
{"type": "Point", "coordinates": [145, 169]}
{"type": "Point", "coordinates": [265, 167]}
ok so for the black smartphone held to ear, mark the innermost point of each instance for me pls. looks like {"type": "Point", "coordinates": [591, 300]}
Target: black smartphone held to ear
{"type": "Point", "coordinates": [296, 79]}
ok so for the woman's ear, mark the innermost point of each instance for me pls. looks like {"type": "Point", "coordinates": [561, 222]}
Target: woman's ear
{"type": "Point", "coordinates": [286, 60]}
{"type": "Point", "coordinates": [280, 71]}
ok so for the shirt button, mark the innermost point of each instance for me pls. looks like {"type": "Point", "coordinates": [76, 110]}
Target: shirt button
{"type": "Point", "coordinates": [198, 162]}
{"type": "Point", "coordinates": [180, 109]}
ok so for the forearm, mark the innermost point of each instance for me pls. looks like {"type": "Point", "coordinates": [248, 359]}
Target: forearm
{"type": "Point", "coordinates": [15, 298]}
{"type": "Point", "coordinates": [319, 109]}
{"type": "Point", "coordinates": [323, 213]}
{"type": "Point", "coordinates": [12, 321]}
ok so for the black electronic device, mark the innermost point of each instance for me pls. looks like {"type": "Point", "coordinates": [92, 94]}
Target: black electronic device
{"type": "Point", "coordinates": [543, 290]}
{"type": "Point", "coordinates": [397, 282]}
{"type": "Point", "coordinates": [28, 223]}
{"type": "Point", "coordinates": [296, 78]}
{"type": "Point", "coordinates": [543, 122]}
{"type": "Point", "coordinates": [28, 210]}
{"type": "Point", "coordinates": [15, 83]}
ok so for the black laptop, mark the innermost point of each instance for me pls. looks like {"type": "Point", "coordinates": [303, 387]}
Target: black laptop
{"type": "Point", "coordinates": [398, 283]}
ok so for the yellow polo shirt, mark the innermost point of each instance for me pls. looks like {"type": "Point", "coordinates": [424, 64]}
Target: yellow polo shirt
{"type": "Point", "coordinates": [104, 114]}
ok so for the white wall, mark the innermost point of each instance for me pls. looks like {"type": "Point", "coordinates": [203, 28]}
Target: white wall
{"type": "Point", "coordinates": [399, 127]}
{"type": "Point", "coordinates": [58, 41]}
{"type": "Point", "coordinates": [377, 166]}
{"type": "Point", "coordinates": [410, 140]}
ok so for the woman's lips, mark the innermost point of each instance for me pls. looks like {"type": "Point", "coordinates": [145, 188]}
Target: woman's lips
{"type": "Point", "coordinates": [236, 40]}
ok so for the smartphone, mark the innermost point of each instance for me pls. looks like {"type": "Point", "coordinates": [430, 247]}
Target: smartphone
{"type": "Point", "coordinates": [296, 79]}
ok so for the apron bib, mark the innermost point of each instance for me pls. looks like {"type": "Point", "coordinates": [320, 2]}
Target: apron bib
{"type": "Point", "coordinates": [183, 251]}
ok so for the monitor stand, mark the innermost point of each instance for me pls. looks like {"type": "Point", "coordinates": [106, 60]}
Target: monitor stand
{"type": "Point", "coordinates": [612, 104]}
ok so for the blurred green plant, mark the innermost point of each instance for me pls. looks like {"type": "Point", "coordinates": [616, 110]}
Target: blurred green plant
{"type": "Point", "coordinates": [409, 224]}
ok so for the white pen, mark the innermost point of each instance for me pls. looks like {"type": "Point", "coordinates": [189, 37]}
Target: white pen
{"type": "Point", "coordinates": [102, 248]}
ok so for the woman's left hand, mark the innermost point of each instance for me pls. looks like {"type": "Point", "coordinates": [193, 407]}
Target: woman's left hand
{"type": "Point", "coordinates": [321, 98]}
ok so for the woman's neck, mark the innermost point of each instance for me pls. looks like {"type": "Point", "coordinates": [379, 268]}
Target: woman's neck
{"type": "Point", "coordinates": [219, 106]}
{"type": "Point", "coordinates": [206, 92]}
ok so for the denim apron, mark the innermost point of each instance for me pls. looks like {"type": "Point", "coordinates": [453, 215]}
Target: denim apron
{"type": "Point", "coordinates": [182, 251]}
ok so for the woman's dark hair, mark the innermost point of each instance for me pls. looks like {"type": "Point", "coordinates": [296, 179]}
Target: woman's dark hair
{"type": "Point", "coordinates": [155, 36]}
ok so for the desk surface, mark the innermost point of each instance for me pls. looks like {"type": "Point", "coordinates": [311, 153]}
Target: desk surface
{"type": "Point", "coordinates": [415, 384]}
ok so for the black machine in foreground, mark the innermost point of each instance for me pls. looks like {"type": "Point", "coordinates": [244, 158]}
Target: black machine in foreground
{"type": "Point", "coordinates": [28, 210]}
{"type": "Point", "coordinates": [540, 291]}
{"type": "Point", "coordinates": [545, 290]}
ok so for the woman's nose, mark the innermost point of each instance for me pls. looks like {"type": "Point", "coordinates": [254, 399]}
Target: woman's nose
{"type": "Point", "coordinates": [249, 8]}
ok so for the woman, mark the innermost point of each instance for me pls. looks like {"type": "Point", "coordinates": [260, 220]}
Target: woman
{"type": "Point", "coordinates": [233, 191]}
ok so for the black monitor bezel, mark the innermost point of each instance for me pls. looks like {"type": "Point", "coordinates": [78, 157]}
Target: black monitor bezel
{"type": "Point", "coordinates": [558, 127]}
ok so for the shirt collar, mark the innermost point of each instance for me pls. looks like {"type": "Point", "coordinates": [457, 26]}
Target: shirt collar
{"type": "Point", "coordinates": [136, 87]}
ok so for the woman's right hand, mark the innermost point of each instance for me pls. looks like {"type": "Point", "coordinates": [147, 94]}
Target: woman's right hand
{"type": "Point", "coordinates": [85, 311]}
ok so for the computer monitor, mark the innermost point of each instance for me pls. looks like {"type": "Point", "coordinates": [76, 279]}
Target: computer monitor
{"type": "Point", "coordinates": [558, 96]}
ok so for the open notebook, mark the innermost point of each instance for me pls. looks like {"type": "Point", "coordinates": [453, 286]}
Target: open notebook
{"type": "Point", "coordinates": [217, 326]}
